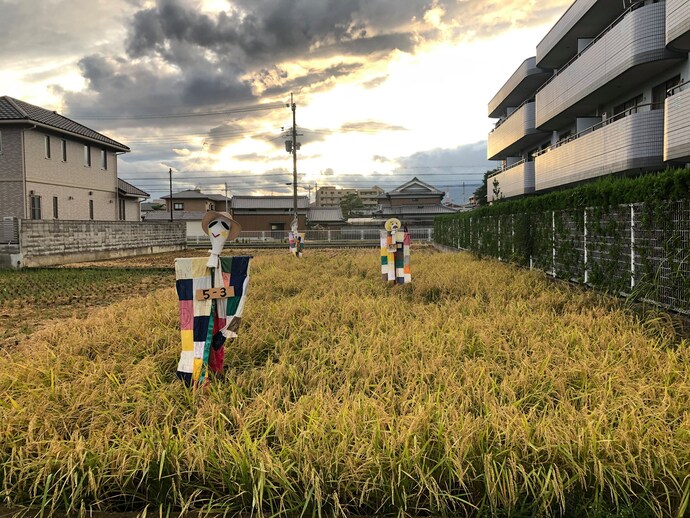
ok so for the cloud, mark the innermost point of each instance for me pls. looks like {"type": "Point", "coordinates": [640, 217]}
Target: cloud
{"type": "Point", "coordinates": [369, 126]}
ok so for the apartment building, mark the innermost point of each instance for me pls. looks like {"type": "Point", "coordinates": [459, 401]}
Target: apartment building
{"type": "Point", "coordinates": [54, 168]}
{"type": "Point", "coordinates": [606, 93]}
{"type": "Point", "coordinates": [331, 196]}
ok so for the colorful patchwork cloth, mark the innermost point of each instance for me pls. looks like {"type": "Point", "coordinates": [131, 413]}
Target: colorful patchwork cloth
{"type": "Point", "coordinates": [205, 324]}
{"type": "Point", "coordinates": [296, 243]}
{"type": "Point", "coordinates": [395, 257]}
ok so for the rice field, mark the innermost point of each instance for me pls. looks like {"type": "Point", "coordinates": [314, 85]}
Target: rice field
{"type": "Point", "coordinates": [477, 390]}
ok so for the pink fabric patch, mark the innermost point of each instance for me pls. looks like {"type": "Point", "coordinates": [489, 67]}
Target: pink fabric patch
{"type": "Point", "coordinates": [186, 314]}
{"type": "Point", "coordinates": [226, 279]}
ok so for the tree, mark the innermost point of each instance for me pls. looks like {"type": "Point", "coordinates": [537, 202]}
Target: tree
{"type": "Point", "coordinates": [497, 190]}
{"type": "Point", "coordinates": [350, 203]}
{"type": "Point", "coordinates": [481, 191]}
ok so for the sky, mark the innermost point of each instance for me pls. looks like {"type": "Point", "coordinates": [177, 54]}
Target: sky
{"type": "Point", "coordinates": [384, 90]}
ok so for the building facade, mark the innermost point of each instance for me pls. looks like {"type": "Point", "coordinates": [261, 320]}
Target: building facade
{"type": "Point", "coordinates": [414, 203]}
{"type": "Point", "coordinates": [331, 196]}
{"type": "Point", "coordinates": [606, 93]}
{"type": "Point", "coordinates": [195, 201]}
{"type": "Point", "coordinates": [54, 168]}
{"type": "Point", "coordinates": [269, 213]}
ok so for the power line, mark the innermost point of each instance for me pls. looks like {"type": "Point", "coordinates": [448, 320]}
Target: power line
{"type": "Point", "coordinates": [245, 109]}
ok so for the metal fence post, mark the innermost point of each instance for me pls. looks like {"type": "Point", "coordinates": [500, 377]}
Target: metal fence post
{"type": "Point", "coordinates": [632, 246]}
{"type": "Point", "coordinates": [428, 234]}
{"type": "Point", "coordinates": [584, 241]}
{"type": "Point", "coordinates": [553, 242]}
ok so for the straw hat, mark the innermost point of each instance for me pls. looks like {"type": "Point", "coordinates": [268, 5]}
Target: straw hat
{"type": "Point", "coordinates": [235, 227]}
{"type": "Point", "coordinates": [393, 221]}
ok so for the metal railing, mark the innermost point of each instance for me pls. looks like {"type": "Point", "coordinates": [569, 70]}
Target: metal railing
{"type": "Point", "coordinates": [677, 89]}
{"type": "Point", "coordinates": [603, 33]}
{"type": "Point", "coordinates": [599, 125]}
{"type": "Point", "coordinates": [335, 237]}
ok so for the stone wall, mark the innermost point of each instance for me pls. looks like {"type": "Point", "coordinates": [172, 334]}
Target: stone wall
{"type": "Point", "coordinates": [53, 242]}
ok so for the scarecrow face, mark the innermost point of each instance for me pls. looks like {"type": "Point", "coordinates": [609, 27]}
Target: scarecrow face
{"type": "Point", "coordinates": [218, 230]}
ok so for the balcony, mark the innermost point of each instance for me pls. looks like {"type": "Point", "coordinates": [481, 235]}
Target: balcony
{"type": "Point", "coordinates": [632, 140]}
{"type": "Point", "coordinates": [521, 85]}
{"type": "Point", "coordinates": [514, 181]}
{"type": "Point", "coordinates": [677, 124]}
{"type": "Point", "coordinates": [633, 47]}
{"type": "Point", "coordinates": [583, 19]}
{"type": "Point", "coordinates": [678, 24]}
{"type": "Point", "coordinates": [514, 134]}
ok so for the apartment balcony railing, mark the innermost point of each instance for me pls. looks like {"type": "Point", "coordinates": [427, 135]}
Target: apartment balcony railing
{"type": "Point", "coordinates": [678, 24]}
{"type": "Point", "coordinates": [512, 181]}
{"type": "Point", "coordinates": [519, 87]}
{"type": "Point", "coordinates": [633, 44]}
{"type": "Point", "coordinates": [514, 133]}
{"type": "Point", "coordinates": [583, 19]}
{"type": "Point", "coordinates": [677, 123]}
{"type": "Point", "coordinates": [630, 140]}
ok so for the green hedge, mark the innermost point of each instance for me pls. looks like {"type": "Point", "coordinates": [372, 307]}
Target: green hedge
{"type": "Point", "coordinates": [548, 232]}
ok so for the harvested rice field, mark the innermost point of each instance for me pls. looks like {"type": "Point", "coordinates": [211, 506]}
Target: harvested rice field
{"type": "Point", "coordinates": [476, 390]}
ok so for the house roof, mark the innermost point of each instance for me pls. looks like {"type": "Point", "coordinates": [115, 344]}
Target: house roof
{"type": "Point", "coordinates": [178, 215]}
{"type": "Point", "coordinates": [268, 202]}
{"type": "Point", "coordinates": [127, 189]}
{"type": "Point", "coordinates": [16, 111]}
{"type": "Point", "coordinates": [196, 195]}
{"type": "Point", "coordinates": [415, 187]}
{"type": "Point", "coordinates": [416, 209]}
{"type": "Point", "coordinates": [325, 214]}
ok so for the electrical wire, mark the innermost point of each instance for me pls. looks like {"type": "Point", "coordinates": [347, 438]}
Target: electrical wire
{"type": "Point", "coordinates": [245, 109]}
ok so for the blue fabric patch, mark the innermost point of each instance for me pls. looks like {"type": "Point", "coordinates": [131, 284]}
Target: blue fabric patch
{"type": "Point", "coordinates": [200, 328]}
{"type": "Point", "coordinates": [185, 289]}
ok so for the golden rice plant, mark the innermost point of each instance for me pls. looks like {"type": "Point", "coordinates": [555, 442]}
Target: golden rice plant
{"type": "Point", "coordinates": [478, 389]}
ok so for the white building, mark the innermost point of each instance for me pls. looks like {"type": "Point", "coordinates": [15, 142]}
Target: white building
{"type": "Point", "coordinates": [606, 93]}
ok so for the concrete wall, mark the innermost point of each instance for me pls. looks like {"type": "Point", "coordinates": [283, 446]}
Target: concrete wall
{"type": "Point", "coordinates": [53, 242]}
{"type": "Point", "coordinates": [11, 173]}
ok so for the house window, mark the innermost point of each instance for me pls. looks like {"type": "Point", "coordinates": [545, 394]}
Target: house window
{"type": "Point", "coordinates": [46, 141]}
{"type": "Point", "coordinates": [123, 216]}
{"type": "Point", "coordinates": [87, 156]}
{"type": "Point", "coordinates": [63, 149]}
{"type": "Point", "coordinates": [90, 209]}
{"type": "Point", "coordinates": [55, 207]}
{"type": "Point", "coordinates": [178, 206]}
{"type": "Point", "coordinates": [104, 159]}
{"type": "Point", "coordinates": [35, 203]}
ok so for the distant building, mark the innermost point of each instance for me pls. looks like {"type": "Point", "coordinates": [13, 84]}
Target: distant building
{"type": "Point", "coordinates": [129, 201]}
{"type": "Point", "coordinates": [414, 203]}
{"type": "Point", "coordinates": [330, 218]}
{"type": "Point", "coordinates": [607, 93]}
{"type": "Point", "coordinates": [268, 213]}
{"type": "Point", "coordinates": [331, 196]}
{"type": "Point", "coordinates": [195, 201]}
{"type": "Point", "coordinates": [52, 167]}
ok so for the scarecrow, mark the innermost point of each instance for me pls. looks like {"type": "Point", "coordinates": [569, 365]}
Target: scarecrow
{"type": "Point", "coordinates": [395, 253]}
{"type": "Point", "coordinates": [296, 240]}
{"type": "Point", "coordinates": [212, 293]}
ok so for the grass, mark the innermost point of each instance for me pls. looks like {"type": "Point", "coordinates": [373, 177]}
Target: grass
{"type": "Point", "coordinates": [478, 389]}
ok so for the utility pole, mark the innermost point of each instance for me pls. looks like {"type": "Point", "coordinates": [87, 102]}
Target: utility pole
{"type": "Point", "coordinates": [226, 196]}
{"type": "Point", "coordinates": [294, 155]}
{"type": "Point", "coordinates": [171, 198]}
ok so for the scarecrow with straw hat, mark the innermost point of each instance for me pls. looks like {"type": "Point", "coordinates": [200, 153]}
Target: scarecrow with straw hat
{"type": "Point", "coordinates": [212, 293]}
{"type": "Point", "coordinates": [395, 253]}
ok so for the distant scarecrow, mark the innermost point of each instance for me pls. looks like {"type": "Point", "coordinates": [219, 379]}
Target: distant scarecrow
{"type": "Point", "coordinates": [212, 293]}
{"type": "Point", "coordinates": [395, 253]}
{"type": "Point", "coordinates": [296, 240]}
